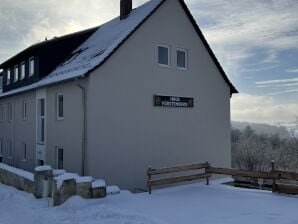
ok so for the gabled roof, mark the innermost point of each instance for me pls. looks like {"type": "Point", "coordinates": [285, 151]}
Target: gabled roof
{"type": "Point", "coordinates": [104, 42]}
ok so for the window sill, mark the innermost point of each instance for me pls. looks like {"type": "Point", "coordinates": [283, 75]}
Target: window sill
{"type": "Point", "coordinates": [164, 66]}
{"type": "Point", "coordinates": [59, 118]}
{"type": "Point", "coordinates": [181, 68]}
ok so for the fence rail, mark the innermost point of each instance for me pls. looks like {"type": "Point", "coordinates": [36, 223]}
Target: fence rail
{"type": "Point", "coordinates": [273, 175]}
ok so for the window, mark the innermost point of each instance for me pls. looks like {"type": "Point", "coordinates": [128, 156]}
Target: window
{"type": "Point", "coordinates": [8, 77]}
{"type": "Point", "coordinates": [24, 110]}
{"type": "Point", "coordinates": [41, 120]}
{"type": "Point", "coordinates": [1, 84]}
{"type": "Point", "coordinates": [1, 112]}
{"type": "Point", "coordinates": [164, 55]}
{"type": "Point", "coordinates": [16, 73]}
{"type": "Point", "coordinates": [31, 66]}
{"type": "Point", "coordinates": [60, 110]}
{"type": "Point", "coordinates": [23, 70]}
{"type": "Point", "coordinates": [59, 158]}
{"type": "Point", "coordinates": [182, 59]}
{"type": "Point", "coordinates": [24, 152]}
{"type": "Point", "coordinates": [9, 144]}
{"type": "Point", "coordinates": [1, 147]}
{"type": "Point", "coordinates": [10, 112]}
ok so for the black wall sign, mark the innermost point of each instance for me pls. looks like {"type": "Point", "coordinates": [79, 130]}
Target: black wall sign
{"type": "Point", "coordinates": [173, 101]}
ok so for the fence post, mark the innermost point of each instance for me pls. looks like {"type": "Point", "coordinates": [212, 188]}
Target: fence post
{"type": "Point", "coordinates": [149, 178]}
{"type": "Point", "coordinates": [208, 166]}
{"type": "Point", "coordinates": [273, 181]}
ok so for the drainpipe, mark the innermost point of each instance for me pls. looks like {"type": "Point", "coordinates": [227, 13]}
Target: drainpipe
{"type": "Point", "coordinates": [84, 120]}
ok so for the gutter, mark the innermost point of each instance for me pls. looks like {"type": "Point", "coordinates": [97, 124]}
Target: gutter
{"type": "Point", "coordinates": [84, 123]}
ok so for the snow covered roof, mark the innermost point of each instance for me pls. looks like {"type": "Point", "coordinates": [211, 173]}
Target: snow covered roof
{"type": "Point", "coordinates": [96, 49]}
{"type": "Point", "coordinates": [101, 44]}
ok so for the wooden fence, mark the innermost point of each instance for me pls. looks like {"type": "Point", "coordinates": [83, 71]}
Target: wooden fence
{"type": "Point", "coordinates": [273, 175]}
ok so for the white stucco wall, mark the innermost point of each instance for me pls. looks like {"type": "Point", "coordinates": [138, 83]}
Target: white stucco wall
{"type": "Point", "coordinates": [126, 133]}
{"type": "Point", "coordinates": [19, 130]}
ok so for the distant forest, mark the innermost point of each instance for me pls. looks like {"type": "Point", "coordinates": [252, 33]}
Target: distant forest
{"type": "Point", "coordinates": [253, 148]}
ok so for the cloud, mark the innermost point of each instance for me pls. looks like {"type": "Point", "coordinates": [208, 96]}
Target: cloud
{"type": "Point", "coordinates": [277, 81]}
{"type": "Point", "coordinates": [239, 30]}
{"type": "Point", "coordinates": [292, 70]}
{"type": "Point", "coordinates": [261, 109]}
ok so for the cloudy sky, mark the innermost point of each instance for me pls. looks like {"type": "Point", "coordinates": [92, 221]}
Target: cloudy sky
{"type": "Point", "coordinates": [256, 42]}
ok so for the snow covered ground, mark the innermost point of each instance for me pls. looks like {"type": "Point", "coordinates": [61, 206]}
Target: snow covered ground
{"type": "Point", "coordinates": [194, 203]}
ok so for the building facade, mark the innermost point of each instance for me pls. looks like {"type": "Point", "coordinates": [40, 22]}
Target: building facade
{"type": "Point", "coordinates": [156, 96]}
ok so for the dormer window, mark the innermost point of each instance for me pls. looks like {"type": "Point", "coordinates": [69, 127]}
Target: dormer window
{"type": "Point", "coordinates": [23, 70]}
{"type": "Point", "coordinates": [8, 77]}
{"type": "Point", "coordinates": [31, 66]}
{"type": "Point", "coordinates": [16, 73]}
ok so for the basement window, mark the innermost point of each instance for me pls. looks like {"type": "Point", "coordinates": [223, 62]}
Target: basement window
{"type": "Point", "coordinates": [60, 106]}
{"type": "Point", "coordinates": [164, 55]}
{"type": "Point", "coordinates": [16, 73]}
{"type": "Point", "coordinates": [182, 59]}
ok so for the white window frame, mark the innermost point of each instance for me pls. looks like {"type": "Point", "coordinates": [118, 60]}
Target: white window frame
{"type": "Point", "coordinates": [24, 110]}
{"type": "Point", "coordinates": [24, 152]}
{"type": "Point", "coordinates": [1, 112]}
{"type": "Point", "coordinates": [57, 157]}
{"type": "Point", "coordinates": [31, 67]}
{"type": "Point", "coordinates": [186, 58]}
{"type": "Point", "coordinates": [16, 73]}
{"type": "Point", "coordinates": [169, 55]}
{"type": "Point", "coordinates": [8, 76]}
{"type": "Point", "coordinates": [23, 70]}
{"type": "Point", "coordinates": [58, 106]}
{"type": "Point", "coordinates": [41, 119]}
{"type": "Point", "coordinates": [10, 112]}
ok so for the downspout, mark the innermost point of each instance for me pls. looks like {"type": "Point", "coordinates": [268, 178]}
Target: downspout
{"type": "Point", "coordinates": [84, 123]}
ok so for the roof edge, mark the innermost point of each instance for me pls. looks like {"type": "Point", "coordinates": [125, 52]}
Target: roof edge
{"type": "Point", "coordinates": [201, 35]}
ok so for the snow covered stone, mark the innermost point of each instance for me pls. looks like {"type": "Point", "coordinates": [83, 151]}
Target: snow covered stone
{"type": "Point", "coordinates": [99, 189]}
{"type": "Point", "coordinates": [112, 190]}
{"type": "Point", "coordinates": [43, 168]}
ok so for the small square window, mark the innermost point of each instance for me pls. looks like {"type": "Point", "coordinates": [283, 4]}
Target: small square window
{"type": "Point", "coordinates": [8, 77]}
{"type": "Point", "coordinates": [181, 58]}
{"type": "Point", "coordinates": [164, 55]}
{"type": "Point", "coordinates": [31, 66]}
{"type": "Point", "coordinates": [23, 71]}
{"type": "Point", "coordinates": [16, 73]}
{"type": "Point", "coordinates": [60, 106]}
